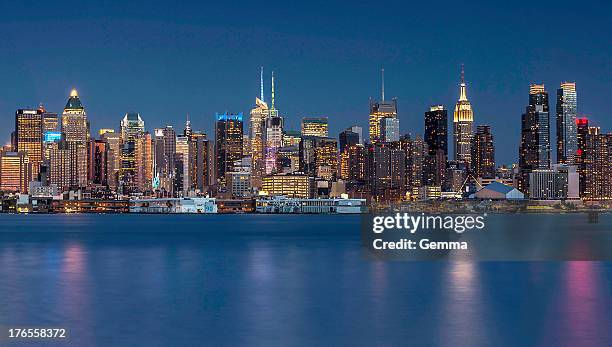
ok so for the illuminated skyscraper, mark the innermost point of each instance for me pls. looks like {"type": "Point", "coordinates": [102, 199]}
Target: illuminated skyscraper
{"type": "Point", "coordinates": [14, 171]}
{"type": "Point", "coordinates": [181, 162]}
{"type": "Point", "coordinates": [113, 156]}
{"type": "Point", "coordinates": [598, 166]}
{"type": "Point", "coordinates": [380, 110]}
{"type": "Point", "coordinates": [132, 130]}
{"type": "Point", "coordinates": [353, 165]}
{"type": "Point", "coordinates": [436, 138]}
{"type": "Point", "coordinates": [75, 125]}
{"type": "Point", "coordinates": [315, 126]}
{"type": "Point", "coordinates": [68, 170]}
{"type": "Point", "coordinates": [199, 161]}
{"type": "Point", "coordinates": [273, 136]}
{"type": "Point", "coordinates": [75, 128]}
{"type": "Point", "coordinates": [534, 152]}
{"type": "Point", "coordinates": [463, 124]}
{"type": "Point", "coordinates": [582, 131]}
{"type": "Point", "coordinates": [29, 137]}
{"type": "Point", "coordinates": [566, 123]}
{"type": "Point", "coordinates": [257, 134]}
{"type": "Point", "coordinates": [228, 142]}
{"type": "Point", "coordinates": [483, 153]}
{"type": "Point", "coordinates": [164, 155]}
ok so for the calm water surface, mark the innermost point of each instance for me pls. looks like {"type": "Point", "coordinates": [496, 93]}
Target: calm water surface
{"type": "Point", "coordinates": [154, 280]}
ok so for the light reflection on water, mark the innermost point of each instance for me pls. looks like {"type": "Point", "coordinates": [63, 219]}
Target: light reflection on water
{"type": "Point", "coordinates": [232, 280]}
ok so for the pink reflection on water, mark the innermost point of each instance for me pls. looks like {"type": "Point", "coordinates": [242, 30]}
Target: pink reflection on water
{"type": "Point", "coordinates": [583, 312]}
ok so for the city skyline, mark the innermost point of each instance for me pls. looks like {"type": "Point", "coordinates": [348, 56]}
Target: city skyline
{"type": "Point", "coordinates": [148, 57]}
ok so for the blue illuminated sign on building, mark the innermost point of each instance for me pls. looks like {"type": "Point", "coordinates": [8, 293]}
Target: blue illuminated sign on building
{"type": "Point", "coordinates": [52, 136]}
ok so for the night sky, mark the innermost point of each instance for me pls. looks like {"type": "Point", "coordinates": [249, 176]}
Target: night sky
{"type": "Point", "coordinates": [166, 60]}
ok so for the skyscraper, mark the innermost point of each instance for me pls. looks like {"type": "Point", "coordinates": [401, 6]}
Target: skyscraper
{"type": "Point", "coordinates": [273, 136]}
{"type": "Point", "coordinates": [348, 138]}
{"type": "Point", "coordinates": [566, 123]}
{"type": "Point", "coordinates": [113, 156]}
{"type": "Point", "coordinates": [14, 171]}
{"type": "Point", "coordinates": [582, 131]}
{"type": "Point", "coordinates": [97, 165]}
{"type": "Point", "coordinates": [462, 124]}
{"type": "Point", "coordinates": [165, 148]}
{"type": "Point", "coordinates": [199, 161]}
{"type": "Point", "coordinates": [534, 151]}
{"type": "Point", "coordinates": [483, 153]}
{"type": "Point", "coordinates": [75, 129]}
{"type": "Point", "coordinates": [436, 138]}
{"type": "Point", "coordinates": [598, 167]}
{"type": "Point", "coordinates": [75, 125]}
{"type": "Point", "coordinates": [228, 142]}
{"type": "Point", "coordinates": [257, 135]}
{"type": "Point", "coordinates": [380, 110]}
{"type": "Point", "coordinates": [29, 127]}
{"type": "Point", "coordinates": [315, 126]}
{"type": "Point", "coordinates": [132, 129]}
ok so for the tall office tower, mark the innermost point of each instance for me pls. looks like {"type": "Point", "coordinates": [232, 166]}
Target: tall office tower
{"type": "Point", "coordinates": [273, 136]}
{"type": "Point", "coordinates": [348, 138]}
{"type": "Point", "coordinates": [15, 171]}
{"type": "Point", "coordinates": [380, 110]}
{"type": "Point", "coordinates": [598, 165]}
{"type": "Point", "coordinates": [582, 131]}
{"type": "Point", "coordinates": [75, 125]}
{"type": "Point", "coordinates": [144, 162]}
{"type": "Point", "coordinates": [165, 148]}
{"type": "Point", "coordinates": [113, 156]}
{"type": "Point", "coordinates": [181, 182]}
{"type": "Point", "coordinates": [436, 138]}
{"type": "Point", "coordinates": [257, 135]}
{"type": "Point", "coordinates": [353, 165]}
{"type": "Point", "coordinates": [405, 144]}
{"type": "Point", "coordinates": [389, 129]}
{"type": "Point", "coordinates": [315, 126]}
{"type": "Point", "coordinates": [97, 164]}
{"type": "Point", "coordinates": [534, 152]}
{"type": "Point", "coordinates": [29, 137]}
{"type": "Point", "coordinates": [75, 128]}
{"type": "Point", "coordinates": [483, 153]}
{"type": "Point", "coordinates": [68, 170]}
{"type": "Point", "coordinates": [566, 123]}
{"type": "Point", "coordinates": [417, 160]}
{"type": "Point", "coordinates": [132, 128]}
{"type": "Point", "coordinates": [199, 161]}
{"type": "Point", "coordinates": [387, 170]}
{"type": "Point", "coordinates": [307, 155]}
{"type": "Point", "coordinates": [228, 142]}
{"type": "Point", "coordinates": [50, 120]}
{"type": "Point", "coordinates": [326, 157]}
{"type": "Point", "coordinates": [462, 124]}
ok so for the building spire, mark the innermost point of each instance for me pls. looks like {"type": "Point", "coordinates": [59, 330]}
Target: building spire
{"type": "Point", "coordinates": [273, 90]}
{"type": "Point", "coordinates": [382, 72]}
{"type": "Point", "coordinates": [462, 92]}
{"type": "Point", "coordinates": [261, 86]}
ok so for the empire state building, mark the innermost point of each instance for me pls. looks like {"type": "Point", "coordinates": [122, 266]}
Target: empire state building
{"type": "Point", "coordinates": [463, 121]}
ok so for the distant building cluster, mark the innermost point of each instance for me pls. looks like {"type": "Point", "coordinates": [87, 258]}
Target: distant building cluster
{"type": "Point", "coordinates": [254, 155]}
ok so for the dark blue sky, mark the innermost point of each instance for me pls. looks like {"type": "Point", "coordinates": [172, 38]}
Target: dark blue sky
{"type": "Point", "coordinates": [164, 60]}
